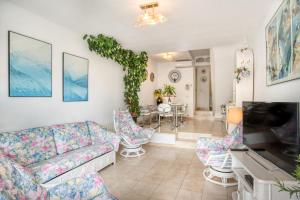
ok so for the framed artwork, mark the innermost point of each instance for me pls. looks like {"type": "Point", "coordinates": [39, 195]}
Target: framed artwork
{"type": "Point", "coordinates": [283, 43]}
{"type": "Point", "coordinates": [30, 66]}
{"type": "Point", "coordinates": [75, 78]}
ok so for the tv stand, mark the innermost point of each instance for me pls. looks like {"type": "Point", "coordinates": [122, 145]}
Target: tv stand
{"type": "Point", "coordinates": [249, 165]}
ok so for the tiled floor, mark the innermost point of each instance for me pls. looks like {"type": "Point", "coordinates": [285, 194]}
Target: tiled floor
{"type": "Point", "coordinates": [163, 173]}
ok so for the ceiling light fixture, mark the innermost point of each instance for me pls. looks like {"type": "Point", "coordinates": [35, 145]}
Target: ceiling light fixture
{"type": "Point", "coordinates": [149, 16]}
{"type": "Point", "coordinates": [168, 56]}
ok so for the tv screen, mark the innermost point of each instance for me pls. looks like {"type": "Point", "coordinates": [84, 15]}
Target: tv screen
{"type": "Point", "coordinates": [272, 130]}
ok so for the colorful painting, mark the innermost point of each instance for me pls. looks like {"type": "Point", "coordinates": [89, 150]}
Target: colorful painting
{"type": "Point", "coordinates": [295, 6]}
{"type": "Point", "coordinates": [283, 43]}
{"type": "Point", "coordinates": [30, 66]}
{"type": "Point", "coordinates": [75, 78]}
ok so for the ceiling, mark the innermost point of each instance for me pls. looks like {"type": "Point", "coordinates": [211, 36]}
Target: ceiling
{"type": "Point", "coordinates": [192, 24]}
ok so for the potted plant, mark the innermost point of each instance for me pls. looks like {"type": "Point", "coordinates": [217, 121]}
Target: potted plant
{"type": "Point", "coordinates": [241, 72]}
{"type": "Point", "coordinates": [158, 93]}
{"type": "Point", "coordinates": [292, 190]}
{"type": "Point", "coordinates": [169, 91]}
{"type": "Point", "coordinates": [134, 65]}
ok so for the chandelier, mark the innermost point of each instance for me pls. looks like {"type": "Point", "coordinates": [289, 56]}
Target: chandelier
{"type": "Point", "coordinates": [149, 16]}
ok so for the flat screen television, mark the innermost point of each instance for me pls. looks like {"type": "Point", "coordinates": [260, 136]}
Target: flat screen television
{"type": "Point", "coordinates": [272, 131]}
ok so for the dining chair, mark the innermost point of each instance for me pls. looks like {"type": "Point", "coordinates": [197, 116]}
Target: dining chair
{"type": "Point", "coordinates": [164, 110]}
{"type": "Point", "coordinates": [145, 112]}
{"type": "Point", "coordinates": [153, 113]}
{"type": "Point", "coordinates": [182, 112]}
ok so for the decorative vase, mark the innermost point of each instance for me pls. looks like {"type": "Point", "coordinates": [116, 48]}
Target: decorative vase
{"type": "Point", "coordinates": [169, 100]}
{"type": "Point", "coordinates": [159, 100]}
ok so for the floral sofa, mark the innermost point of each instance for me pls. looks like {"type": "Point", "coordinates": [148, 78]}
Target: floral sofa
{"type": "Point", "coordinates": [56, 156]}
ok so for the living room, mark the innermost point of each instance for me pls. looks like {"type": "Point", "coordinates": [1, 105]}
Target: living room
{"type": "Point", "coordinates": [83, 71]}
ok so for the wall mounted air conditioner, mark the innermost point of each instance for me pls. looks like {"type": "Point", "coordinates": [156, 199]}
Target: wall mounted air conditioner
{"type": "Point", "coordinates": [183, 64]}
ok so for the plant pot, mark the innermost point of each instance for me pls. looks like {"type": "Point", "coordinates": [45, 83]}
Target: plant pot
{"type": "Point", "coordinates": [159, 100]}
{"type": "Point", "coordinates": [134, 117]}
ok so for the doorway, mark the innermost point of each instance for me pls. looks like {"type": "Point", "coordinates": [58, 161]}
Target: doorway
{"type": "Point", "coordinates": [203, 88]}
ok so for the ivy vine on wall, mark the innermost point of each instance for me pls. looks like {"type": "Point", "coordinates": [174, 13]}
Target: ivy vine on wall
{"type": "Point", "coordinates": [134, 66]}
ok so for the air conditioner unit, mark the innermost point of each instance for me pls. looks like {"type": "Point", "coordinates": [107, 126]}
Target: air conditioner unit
{"type": "Point", "coordinates": [184, 63]}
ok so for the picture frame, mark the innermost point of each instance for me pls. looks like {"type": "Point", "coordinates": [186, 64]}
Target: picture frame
{"type": "Point", "coordinates": [75, 78]}
{"type": "Point", "coordinates": [29, 66]}
{"type": "Point", "coordinates": [282, 35]}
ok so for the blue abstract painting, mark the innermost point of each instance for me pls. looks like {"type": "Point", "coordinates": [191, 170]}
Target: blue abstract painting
{"type": "Point", "coordinates": [75, 78]}
{"type": "Point", "coordinates": [283, 43]}
{"type": "Point", "coordinates": [30, 67]}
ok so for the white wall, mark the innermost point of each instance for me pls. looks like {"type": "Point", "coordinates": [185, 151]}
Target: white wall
{"type": "Point", "coordinates": [146, 94]}
{"type": "Point", "coordinates": [287, 91]}
{"type": "Point", "coordinates": [105, 77]}
{"type": "Point", "coordinates": [222, 70]}
{"type": "Point", "coordinates": [187, 77]}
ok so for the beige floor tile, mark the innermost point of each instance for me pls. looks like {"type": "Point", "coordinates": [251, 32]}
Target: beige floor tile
{"type": "Point", "coordinates": [134, 196]}
{"type": "Point", "coordinates": [144, 189]}
{"type": "Point", "coordinates": [192, 185]}
{"type": "Point", "coordinates": [188, 195]}
{"type": "Point", "coordinates": [165, 192]}
{"type": "Point", "coordinates": [153, 177]}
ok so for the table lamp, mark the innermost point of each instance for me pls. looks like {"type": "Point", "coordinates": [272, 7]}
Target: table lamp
{"type": "Point", "coordinates": [234, 117]}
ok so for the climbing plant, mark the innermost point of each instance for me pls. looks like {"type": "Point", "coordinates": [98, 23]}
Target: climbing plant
{"type": "Point", "coordinates": [134, 66]}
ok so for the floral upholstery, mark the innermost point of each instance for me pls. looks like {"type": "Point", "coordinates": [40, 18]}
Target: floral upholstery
{"type": "Point", "coordinates": [89, 187]}
{"type": "Point", "coordinates": [101, 135]}
{"type": "Point", "coordinates": [48, 169]}
{"type": "Point", "coordinates": [71, 136]}
{"type": "Point", "coordinates": [16, 181]}
{"type": "Point", "coordinates": [29, 158]}
{"type": "Point", "coordinates": [129, 131]}
{"type": "Point", "coordinates": [207, 147]}
{"type": "Point", "coordinates": [30, 145]}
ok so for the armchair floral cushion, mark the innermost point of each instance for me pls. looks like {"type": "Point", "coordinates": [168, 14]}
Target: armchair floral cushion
{"type": "Point", "coordinates": [207, 147]}
{"type": "Point", "coordinates": [101, 135]}
{"type": "Point", "coordinates": [30, 145]}
{"type": "Point", "coordinates": [129, 131]}
{"type": "Point", "coordinates": [71, 136]}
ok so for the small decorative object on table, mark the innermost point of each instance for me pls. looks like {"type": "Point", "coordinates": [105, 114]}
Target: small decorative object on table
{"type": "Point", "coordinates": [158, 93]}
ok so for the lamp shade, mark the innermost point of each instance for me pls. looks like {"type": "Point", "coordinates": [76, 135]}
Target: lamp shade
{"type": "Point", "coordinates": [234, 115]}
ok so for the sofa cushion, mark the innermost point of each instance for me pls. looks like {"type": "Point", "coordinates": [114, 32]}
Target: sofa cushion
{"type": "Point", "coordinates": [97, 133]}
{"type": "Point", "coordinates": [49, 169]}
{"type": "Point", "coordinates": [71, 136]}
{"type": "Point", "coordinates": [29, 145]}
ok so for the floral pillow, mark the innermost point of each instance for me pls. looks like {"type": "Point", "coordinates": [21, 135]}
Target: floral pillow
{"type": "Point", "coordinates": [71, 136]}
{"type": "Point", "coordinates": [29, 145]}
